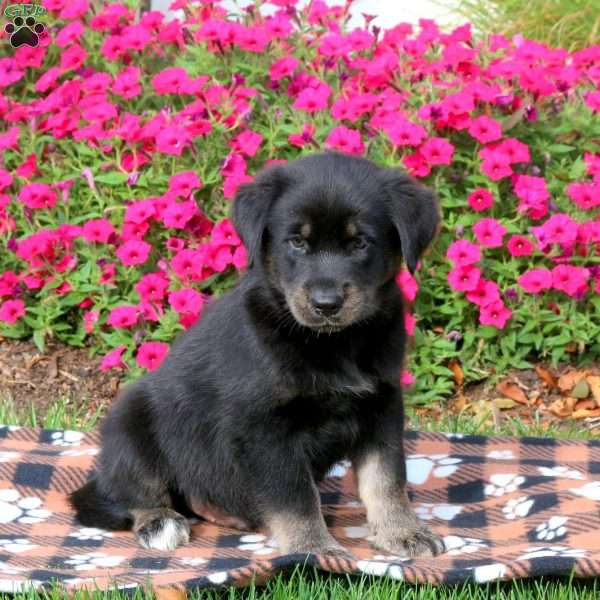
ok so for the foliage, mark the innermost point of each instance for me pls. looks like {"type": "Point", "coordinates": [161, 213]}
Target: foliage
{"type": "Point", "coordinates": [123, 143]}
{"type": "Point", "coordinates": [571, 24]}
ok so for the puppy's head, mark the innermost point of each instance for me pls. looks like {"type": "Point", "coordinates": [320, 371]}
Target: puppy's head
{"type": "Point", "coordinates": [331, 230]}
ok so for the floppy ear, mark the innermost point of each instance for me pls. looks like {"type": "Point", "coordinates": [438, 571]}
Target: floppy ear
{"type": "Point", "coordinates": [415, 213]}
{"type": "Point", "coordinates": [251, 207]}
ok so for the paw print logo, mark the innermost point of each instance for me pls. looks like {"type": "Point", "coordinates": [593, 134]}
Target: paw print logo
{"type": "Point", "coordinates": [549, 551]}
{"type": "Point", "coordinates": [24, 31]}
{"type": "Point", "coordinates": [552, 529]}
{"type": "Point", "coordinates": [501, 455]}
{"type": "Point", "coordinates": [419, 467]}
{"type": "Point", "coordinates": [16, 545]}
{"type": "Point", "coordinates": [257, 544]}
{"type": "Point", "coordinates": [14, 508]}
{"type": "Point", "coordinates": [456, 545]}
{"type": "Point", "coordinates": [93, 560]}
{"type": "Point", "coordinates": [559, 471]}
{"type": "Point", "coordinates": [90, 533]}
{"type": "Point", "coordinates": [445, 512]}
{"type": "Point", "coordinates": [67, 438]}
{"type": "Point", "coordinates": [517, 507]}
{"type": "Point", "coordinates": [503, 483]}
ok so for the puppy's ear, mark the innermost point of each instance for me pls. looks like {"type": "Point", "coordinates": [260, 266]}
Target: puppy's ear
{"type": "Point", "coordinates": [252, 204]}
{"type": "Point", "coordinates": [415, 213]}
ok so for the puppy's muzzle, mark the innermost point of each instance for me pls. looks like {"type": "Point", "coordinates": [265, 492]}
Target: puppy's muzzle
{"type": "Point", "coordinates": [326, 302]}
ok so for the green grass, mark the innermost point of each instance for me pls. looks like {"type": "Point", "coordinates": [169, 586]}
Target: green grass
{"type": "Point", "coordinates": [313, 585]}
{"type": "Point", "coordinates": [570, 24]}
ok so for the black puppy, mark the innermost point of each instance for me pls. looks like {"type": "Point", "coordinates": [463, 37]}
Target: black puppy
{"type": "Point", "coordinates": [294, 369]}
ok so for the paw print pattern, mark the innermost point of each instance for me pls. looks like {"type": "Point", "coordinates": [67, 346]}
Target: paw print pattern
{"type": "Point", "coordinates": [16, 545]}
{"type": "Point", "coordinates": [501, 455]}
{"type": "Point", "coordinates": [9, 456]}
{"type": "Point", "coordinates": [463, 545]}
{"type": "Point", "coordinates": [445, 512]}
{"type": "Point", "coordinates": [24, 31]}
{"type": "Point", "coordinates": [14, 508]}
{"type": "Point", "coordinates": [192, 561]}
{"type": "Point", "coordinates": [517, 507]}
{"type": "Point", "coordinates": [67, 438]}
{"type": "Point", "coordinates": [419, 467]}
{"type": "Point", "coordinates": [503, 483]}
{"type": "Point", "coordinates": [90, 533]}
{"type": "Point", "coordinates": [563, 472]}
{"type": "Point", "coordinates": [84, 452]}
{"type": "Point", "coordinates": [93, 560]}
{"type": "Point", "coordinates": [590, 490]}
{"type": "Point", "coordinates": [257, 544]}
{"type": "Point", "coordinates": [552, 529]}
{"type": "Point", "coordinates": [549, 551]}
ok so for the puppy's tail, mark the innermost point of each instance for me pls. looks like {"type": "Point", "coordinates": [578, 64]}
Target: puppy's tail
{"type": "Point", "coordinates": [95, 509]}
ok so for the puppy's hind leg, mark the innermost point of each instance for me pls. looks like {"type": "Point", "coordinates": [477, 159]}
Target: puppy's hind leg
{"type": "Point", "coordinates": [160, 528]}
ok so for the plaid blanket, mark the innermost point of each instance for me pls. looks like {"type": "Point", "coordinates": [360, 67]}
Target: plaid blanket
{"type": "Point", "coordinates": [508, 508]}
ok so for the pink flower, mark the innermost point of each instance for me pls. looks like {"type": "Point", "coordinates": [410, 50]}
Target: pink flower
{"type": "Point", "coordinates": [464, 279]}
{"type": "Point", "coordinates": [187, 263]}
{"type": "Point", "coordinates": [224, 233]}
{"type": "Point", "coordinates": [151, 354]}
{"type": "Point", "coordinates": [113, 359]}
{"type": "Point", "coordinates": [514, 150]}
{"type": "Point", "coordinates": [186, 301]}
{"type": "Point", "coordinates": [11, 311]}
{"type": "Point", "coordinates": [134, 252]}
{"type": "Point", "coordinates": [485, 293]}
{"type": "Point", "coordinates": [519, 245]}
{"type": "Point", "coordinates": [489, 232]}
{"type": "Point", "coordinates": [437, 151]}
{"type": "Point", "coordinates": [485, 130]}
{"type": "Point", "coordinates": [247, 142]}
{"type": "Point", "coordinates": [558, 229]}
{"type": "Point", "coordinates": [592, 99]}
{"type": "Point", "coordinates": [183, 183]}
{"type": "Point", "coordinates": [6, 179]}
{"type": "Point", "coordinates": [37, 195]}
{"type": "Point", "coordinates": [480, 199]}
{"type": "Point", "coordinates": [123, 317]}
{"type": "Point", "coordinates": [570, 280]}
{"type": "Point", "coordinates": [284, 67]}
{"type": "Point", "coordinates": [345, 140]}
{"type": "Point", "coordinates": [463, 253]}
{"type": "Point", "coordinates": [312, 100]}
{"type": "Point", "coordinates": [127, 83]}
{"type": "Point", "coordinates": [98, 230]}
{"type": "Point", "coordinates": [171, 80]}
{"type": "Point", "coordinates": [533, 194]}
{"type": "Point", "coordinates": [408, 284]}
{"type": "Point", "coordinates": [177, 214]}
{"type": "Point", "coordinates": [495, 314]}
{"type": "Point", "coordinates": [152, 287]}
{"type": "Point", "coordinates": [172, 140]}
{"type": "Point", "coordinates": [72, 58]}
{"type": "Point", "coordinates": [407, 378]}
{"type": "Point", "coordinates": [585, 195]}
{"type": "Point", "coordinates": [535, 281]}
{"type": "Point", "coordinates": [404, 133]}
{"type": "Point", "coordinates": [301, 139]}
{"type": "Point", "coordinates": [496, 166]}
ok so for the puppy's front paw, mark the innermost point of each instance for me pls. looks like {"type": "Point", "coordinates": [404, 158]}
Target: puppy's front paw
{"type": "Point", "coordinates": [409, 541]}
{"type": "Point", "coordinates": [161, 529]}
{"type": "Point", "coordinates": [327, 547]}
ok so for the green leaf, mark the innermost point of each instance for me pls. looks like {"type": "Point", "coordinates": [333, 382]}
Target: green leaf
{"type": "Point", "coordinates": [39, 339]}
{"type": "Point", "coordinates": [112, 178]}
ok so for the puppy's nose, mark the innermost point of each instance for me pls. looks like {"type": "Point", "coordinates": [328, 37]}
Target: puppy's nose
{"type": "Point", "coordinates": [326, 302]}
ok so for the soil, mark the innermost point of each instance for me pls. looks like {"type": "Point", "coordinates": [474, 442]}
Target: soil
{"type": "Point", "coordinates": [28, 377]}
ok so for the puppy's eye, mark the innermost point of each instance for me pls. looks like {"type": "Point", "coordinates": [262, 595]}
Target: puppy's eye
{"type": "Point", "coordinates": [359, 243]}
{"type": "Point", "coordinates": [297, 242]}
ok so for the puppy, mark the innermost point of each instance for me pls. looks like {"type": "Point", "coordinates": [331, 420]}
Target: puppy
{"type": "Point", "coordinates": [294, 369]}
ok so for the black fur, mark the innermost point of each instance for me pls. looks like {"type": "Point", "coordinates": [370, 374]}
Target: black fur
{"type": "Point", "coordinates": [257, 401]}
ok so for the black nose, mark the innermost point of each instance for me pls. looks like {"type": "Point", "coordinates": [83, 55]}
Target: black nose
{"type": "Point", "coordinates": [326, 302]}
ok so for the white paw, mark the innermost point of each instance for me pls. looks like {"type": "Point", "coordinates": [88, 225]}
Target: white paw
{"type": "Point", "coordinates": [21, 510]}
{"type": "Point", "coordinates": [503, 483]}
{"type": "Point", "coordinates": [553, 528]}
